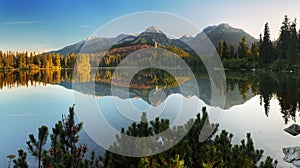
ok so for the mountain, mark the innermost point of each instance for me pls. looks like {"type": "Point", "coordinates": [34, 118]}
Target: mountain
{"type": "Point", "coordinates": [74, 48]}
{"type": "Point", "coordinates": [185, 37]}
{"type": "Point", "coordinates": [150, 36]}
{"type": "Point", "coordinates": [227, 33]}
{"type": "Point", "coordinates": [127, 38]}
{"type": "Point", "coordinates": [153, 29]}
{"type": "Point", "coordinates": [92, 45]}
{"type": "Point", "coordinates": [153, 35]}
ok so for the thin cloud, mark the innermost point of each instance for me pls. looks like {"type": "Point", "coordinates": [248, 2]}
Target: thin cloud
{"type": "Point", "coordinates": [23, 115]}
{"type": "Point", "coordinates": [85, 26]}
{"type": "Point", "coordinates": [24, 22]}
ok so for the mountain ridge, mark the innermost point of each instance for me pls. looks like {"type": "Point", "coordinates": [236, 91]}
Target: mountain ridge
{"type": "Point", "coordinates": [153, 29]}
{"type": "Point", "coordinates": [153, 35]}
{"type": "Point", "coordinates": [227, 33]}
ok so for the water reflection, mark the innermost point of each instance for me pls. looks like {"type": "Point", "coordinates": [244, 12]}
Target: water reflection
{"type": "Point", "coordinates": [11, 79]}
{"type": "Point", "coordinates": [283, 87]}
{"type": "Point", "coordinates": [240, 86]}
{"type": "Point", "coordinates": [256, 102]}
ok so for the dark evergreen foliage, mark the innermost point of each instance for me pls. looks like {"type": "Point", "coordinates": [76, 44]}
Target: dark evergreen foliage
{"type": "Point", "coordinates": [218, 152]}
{"type": "Point", "coordinates": [21, 162]}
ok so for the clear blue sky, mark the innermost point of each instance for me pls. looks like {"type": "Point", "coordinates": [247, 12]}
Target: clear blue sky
{"type": "Point", "coordinates": [43, 25]}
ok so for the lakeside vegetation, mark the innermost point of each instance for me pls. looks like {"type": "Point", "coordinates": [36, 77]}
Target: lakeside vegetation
{"type": "Point", "coordinates": [65, 152]}
{"type": "Point", "coordinates": [282, 54]}
{"type": "Point", "coordinates": [10, 61]}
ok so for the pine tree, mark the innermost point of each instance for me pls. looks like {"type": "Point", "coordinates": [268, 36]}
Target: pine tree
{"type": "Point", "coordinates": [284, 38]}
{"type": "Point", "coordinates": [220, 48]}
{"type": "Point", "coordinates": [30, 60]}
{"type": "Point", "coordinates": [243, 49]}
{"type": "Point", "coordinates": [255, 50]}
{"type": "Point", "coordinates": [1, 60]}
{"type": "Point", "coordinates": [21, 162]}
{"type": "Point", "coordinates": [22, 59]}
{"type": "Point", "coordinates": [292, 45]}
{"type": "Point", "coordinates": [64, 148]}
{"type": "Point", "coordinates": [260, 39]}
{"type": "Point", "coordinates": [268, 163]}
{"type": "Point", "coordinates": [9, 60]}
{"type": "Point", "coordinates": [232, 51]}
{"type": "Point", "coordinates": [191, 151]}
{"type": "Point", "coordinates": [45, 63]}
{"type": "Point", "coordinates": [298, 48]}
{"type": "Point", "coordinates": [266, 47]}
{"type": "Point", "coordinates": [225, 52]}
{"type": "Point", "coordinates": [36, 146]}
{"type": "Point", "coordinates": [298, 42]}
{"type": "Point", "coordinates": [50, 60]}
{"type": "Point", "coordinates": [57, 61]}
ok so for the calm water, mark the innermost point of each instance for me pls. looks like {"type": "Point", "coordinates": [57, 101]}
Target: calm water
{"type": "Point", "coordinates": [263, 104]}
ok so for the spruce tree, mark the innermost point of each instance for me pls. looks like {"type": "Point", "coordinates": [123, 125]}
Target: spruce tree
{"type": "Point", "coordinates": [292, 45]}
{"type": "Point", "coordinates": [266, 47]}
{"type": "Point", "coordinates": [284, 38]}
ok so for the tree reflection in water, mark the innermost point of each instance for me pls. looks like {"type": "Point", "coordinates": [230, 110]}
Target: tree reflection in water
{"type": "Point", "coordinates": [282, 86]}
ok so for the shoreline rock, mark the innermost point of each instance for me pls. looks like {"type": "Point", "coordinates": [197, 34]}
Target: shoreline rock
{"type": "Point", "coordinates": [292, 155]}
{"type": "Point", "coordinates": [293, 129]}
